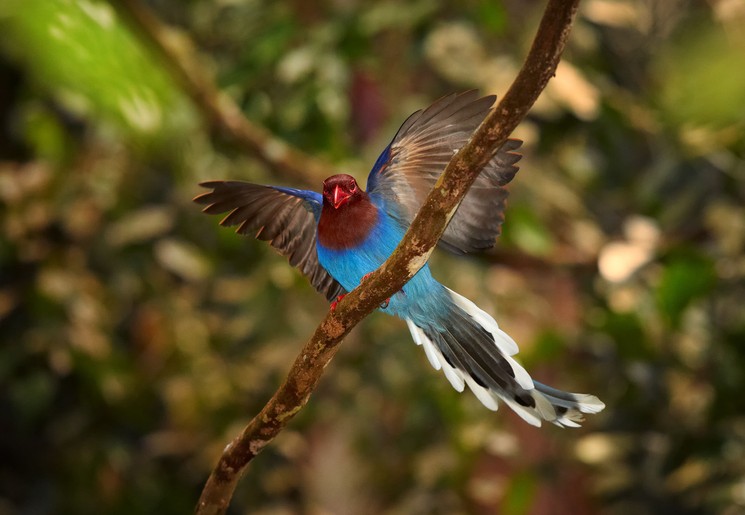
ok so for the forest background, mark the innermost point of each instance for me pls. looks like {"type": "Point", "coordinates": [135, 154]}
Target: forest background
{"type": "Point", "coordinates": [137, 337]}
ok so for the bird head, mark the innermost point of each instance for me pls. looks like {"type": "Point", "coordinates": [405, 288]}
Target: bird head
{"type": "Point", "coordinates": [341, 189]}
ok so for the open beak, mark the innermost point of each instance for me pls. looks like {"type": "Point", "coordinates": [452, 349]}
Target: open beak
{"type": "Point", "coordinates": [340, 196]}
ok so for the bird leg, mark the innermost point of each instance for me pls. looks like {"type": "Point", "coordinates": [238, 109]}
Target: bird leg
{"type": "Point", "coordinates": [338, 299]}
{"type": "Point", "coordinates": [387, 301]}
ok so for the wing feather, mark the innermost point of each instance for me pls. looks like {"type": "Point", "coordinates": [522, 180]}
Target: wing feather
{"type": "Point", "coordinates": [284, 217]}
{"type": "Point", "coordinates": [409, 167]}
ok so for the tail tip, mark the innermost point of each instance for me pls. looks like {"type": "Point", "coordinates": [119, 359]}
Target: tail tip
{"type": "Point", "coordinates": [589, 403]}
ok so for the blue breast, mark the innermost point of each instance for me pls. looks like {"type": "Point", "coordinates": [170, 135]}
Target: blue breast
{"type": "Point", "coordinates": [421, 298]}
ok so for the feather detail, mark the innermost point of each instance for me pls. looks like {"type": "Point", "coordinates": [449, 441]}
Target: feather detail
{"type": "Point", "coordinates": [504, 341]}
{"type": "Point", "coordinates": [472, 350]}
{"type": "Point", "coordinates": [408, 168]}
{"type": "Point", "coordinates": [285, 217]}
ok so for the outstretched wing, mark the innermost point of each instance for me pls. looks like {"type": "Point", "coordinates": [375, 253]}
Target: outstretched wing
{"type": "Point", "coordinates": [410, 165]}
{"type": "Point", "coordinates": [284, 217]}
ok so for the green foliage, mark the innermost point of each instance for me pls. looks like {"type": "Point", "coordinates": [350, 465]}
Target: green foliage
{"type": "Point", "coordinates": [83, 54]}
{"type": "Point", "coordinates": [683, 281]}
{"type": "Point", "coordinates": [521, 495]}
{"type": "Point", "coordinates": [702, 80]}
{"type": "Point", "coordinates": [527, 232]}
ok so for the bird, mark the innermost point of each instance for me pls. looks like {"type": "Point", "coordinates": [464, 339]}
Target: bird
{"type": "Point", "coordinates": [339, 236]}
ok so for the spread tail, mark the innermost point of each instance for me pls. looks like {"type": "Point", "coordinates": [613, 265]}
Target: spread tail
{"type": "Point", "coordinates": [472, 350]}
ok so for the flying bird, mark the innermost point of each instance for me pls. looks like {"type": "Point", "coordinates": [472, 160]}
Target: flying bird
{"type": "Point", "coordinates": [339, 236]}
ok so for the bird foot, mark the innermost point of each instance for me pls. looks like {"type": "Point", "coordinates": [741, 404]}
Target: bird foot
{"type": "Point", "coordinates": [338, 299]}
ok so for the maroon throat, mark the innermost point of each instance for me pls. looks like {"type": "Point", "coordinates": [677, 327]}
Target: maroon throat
{"type": "Point", "coordinates": [347, 225]}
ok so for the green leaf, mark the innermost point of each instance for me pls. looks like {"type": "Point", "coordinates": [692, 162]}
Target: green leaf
{"type": "Point", "coordinates": [702, 78]}
{"type": "Point", "coordinates": [82, 54]}
{"type": "Point", "coordinates": [627, 331]}
{"type": "Point", "coordinates": [683, 280]}
{"type": "Point", "coordinates": [492, 15]}
{"type": "Point", "coordinates": [520, 494]}
{"type": "Point", "coordinates": [523, 228]}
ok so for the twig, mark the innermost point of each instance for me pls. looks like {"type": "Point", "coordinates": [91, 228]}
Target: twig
{"type": "Point", "coordinates": [219, 110]}
{"type": "Point", "coordinates": [411, 254]}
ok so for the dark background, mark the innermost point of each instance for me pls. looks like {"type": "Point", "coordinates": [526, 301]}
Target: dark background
{"type": "Point", "coordinates": [137, 337]}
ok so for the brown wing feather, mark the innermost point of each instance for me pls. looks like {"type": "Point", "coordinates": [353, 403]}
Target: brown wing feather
{"type": "Point", "coordinates": [285, 221]}
{"type": "Point", "coordinates": [421, 150]}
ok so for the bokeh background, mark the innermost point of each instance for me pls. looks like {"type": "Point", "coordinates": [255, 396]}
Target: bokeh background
{"type": "Point", "coordinates": [137, 336]}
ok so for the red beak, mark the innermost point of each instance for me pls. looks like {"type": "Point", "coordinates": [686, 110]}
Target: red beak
{"type": "Point", "coordinates": [340, 196]}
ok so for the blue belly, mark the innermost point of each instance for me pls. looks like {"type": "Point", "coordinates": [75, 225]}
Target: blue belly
{"type": "Point", "coordinates": [421, 299]}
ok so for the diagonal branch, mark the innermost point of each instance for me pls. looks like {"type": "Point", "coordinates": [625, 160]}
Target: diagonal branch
{"type": "Point", "coordinates": [220, 111]}
{"type": "Point", "coordinates": [411, 254]}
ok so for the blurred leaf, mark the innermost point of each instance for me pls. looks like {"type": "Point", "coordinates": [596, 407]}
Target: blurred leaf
{"type": "Point", "coordinates": [527, 231]}
{"type": "Point", "coordinates": [629, 335]}
{"type": "Point", "coordinates": [388, 15]}
{"type": "Point", "coordinates": [548, 345]}
{"type": "Point", "coordinates": [104, 69]}
{"type": "Point", "coordinates": [47, 135]}
{"type": "Point", "coordinates": [183, 258]}
{"type": "Point", "coordinates": [141, 225]}
{"type": "Point", "coordinates": [32, 396]}
{"type": "Point", "coordinates": [492, 15]}
{"type": "Point", "coordinates": [684, 280]}
{"type": "Point", "coordinates": [702, 78]}
{"type": "Point", "coordinates": [520, 494]}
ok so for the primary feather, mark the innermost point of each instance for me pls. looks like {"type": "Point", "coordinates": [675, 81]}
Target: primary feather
{"type": "Point", "coordinates": [338, 237]}
{"type": "Point", "coordinates": [410, 165]}
{"type": "Point", "coordinates": [284, 217]}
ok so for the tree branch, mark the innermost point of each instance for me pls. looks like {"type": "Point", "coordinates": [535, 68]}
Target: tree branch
{"type": "Point", "coordinates": [411, 254]}
{"type": "Point", "coordinates": [220, 112]}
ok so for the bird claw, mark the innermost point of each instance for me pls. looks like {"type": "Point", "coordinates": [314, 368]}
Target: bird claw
{"type": "Point", "coordinates": [338, 299]}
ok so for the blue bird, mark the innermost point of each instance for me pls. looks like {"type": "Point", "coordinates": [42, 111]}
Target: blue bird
{"type": "Point", "coordinates": [338, 237]}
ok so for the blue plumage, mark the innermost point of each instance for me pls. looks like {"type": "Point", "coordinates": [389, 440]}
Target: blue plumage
{"type": "Point", "coordinates": [338, 237]}
{"type": "Point", "coordinates": [418, 298]}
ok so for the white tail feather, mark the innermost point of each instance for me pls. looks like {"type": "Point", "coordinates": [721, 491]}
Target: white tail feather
{"type": "Point", "coordinates": [561, 408]}
{"type": "Point", "coordinates": [504, 341]}
{"type": "Point", "coordinates": [433, 355]}
{"type": "Point", "coordinates": [482, 394]}
{"type": "Point", "coordinates": [414, 330]}
{"type": "Point", "coordinates": [528, 415]}
{"type": "Point", "coordinates": [521, 375]}
{"type": "Point", "coordinates": [453, 375]}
